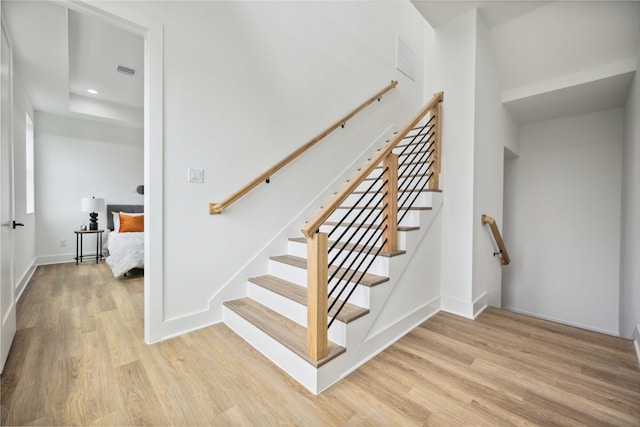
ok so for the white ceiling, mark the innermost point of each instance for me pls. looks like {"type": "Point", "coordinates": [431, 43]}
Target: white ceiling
{"type": "Point", "coordinates": [96, 48]}
{"type": "Point", "coordinates": [494, 12]}
{"type": "Point", "coordinates": [563, 38]}
{"type": "Point", "coordinates": [556, 58]}
{"type": "Point", "coordinates": [38, 33]}
{"type": "Point", "coordinates": [59, 54]}
{"type": "Point", "coordinates": [588, 97]}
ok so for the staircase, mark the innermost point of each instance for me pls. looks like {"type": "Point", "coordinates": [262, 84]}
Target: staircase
{"type": "Point", "coordinates": [273, 316]}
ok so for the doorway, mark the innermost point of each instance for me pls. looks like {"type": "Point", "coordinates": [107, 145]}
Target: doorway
{"type": "Point", "coordinates": [151, 33]}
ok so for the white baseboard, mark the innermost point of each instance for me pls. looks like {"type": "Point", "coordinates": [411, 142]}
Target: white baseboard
{"type": "Point", "coordinates": [55, 259]}
{"type": "Point", "coordinates": [468, 309]}
{"type": "Point", "coordinates": [480, 304]}
{"type": "Point", "coordinates": [457, 307]}
{"type": "Point", "coordinates": [562, 321]}
{"type": "Point", "coordinates": [636, 341]}
{"type": "Point", "coordinates": [21, 285]}
{"type": "Point", "coordinates": [171, 328]}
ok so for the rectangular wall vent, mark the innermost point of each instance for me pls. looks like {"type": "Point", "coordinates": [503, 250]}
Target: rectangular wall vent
{"type": "Point", "coordinates": [405, 58]}
{"type": "Point", "coordinates": [126, 70]}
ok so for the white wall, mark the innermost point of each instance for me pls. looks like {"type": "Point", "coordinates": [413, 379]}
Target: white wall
{"type": "Point", "coordinates": [494, 130]}
{"type": "Point", "coordinates": [77, 158]}
{"type": "Point", "coordinates": [476, 130]}
{"type": "Point", "coordinates": [630, 227]}
{"type": "Point", "coordinates": [25, 237]}
{"type": "Point", "coordinates": [456, 58]}
{"type": "Point", "coordinates": [562, 221]}
{"type": "Point", "coordinates": [246, 83]}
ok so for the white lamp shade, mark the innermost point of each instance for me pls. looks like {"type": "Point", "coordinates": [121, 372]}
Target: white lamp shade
{"type": "Point", "coordinates": [92, 204]}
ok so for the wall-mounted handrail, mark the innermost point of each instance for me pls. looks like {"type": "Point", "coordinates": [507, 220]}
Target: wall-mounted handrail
{"type": "Point", "coordinates": [314, 224]}
{"type": "Point", "coordinates": [504, 256]}
{"type": "Point", "coordinates": [217, 208]}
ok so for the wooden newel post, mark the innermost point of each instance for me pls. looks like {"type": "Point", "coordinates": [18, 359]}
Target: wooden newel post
{"type": "Point", "coordinates": [434, 181]}
{"type": "Point", "coordinates": [390, 213]}
{"type": "Point", "coordinates": [317, 304]}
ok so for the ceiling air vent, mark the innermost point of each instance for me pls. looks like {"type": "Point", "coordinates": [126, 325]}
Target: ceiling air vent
{"type": "Point", "coordinates": [126, 70]}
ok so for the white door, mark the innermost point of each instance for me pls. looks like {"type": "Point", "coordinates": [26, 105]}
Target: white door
{"type": "Point", "coordinates": [7, 286]}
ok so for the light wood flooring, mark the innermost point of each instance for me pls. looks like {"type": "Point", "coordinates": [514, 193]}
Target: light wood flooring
{"type": "Point", "coordinates": [79, 358]}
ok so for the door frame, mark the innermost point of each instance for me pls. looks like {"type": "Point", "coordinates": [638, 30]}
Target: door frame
{"type": "Point", "coordinates": [153, 33]}
{"type": "Point", "coordinates": [8, 318]}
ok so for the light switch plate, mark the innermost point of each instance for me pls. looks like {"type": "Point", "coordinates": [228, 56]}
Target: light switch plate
{"type": "Point", "coordinates": [195, 175]}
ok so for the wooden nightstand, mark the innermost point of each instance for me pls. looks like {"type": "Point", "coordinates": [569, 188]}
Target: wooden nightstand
{"type": "Point", "coordinates": [79, 252]}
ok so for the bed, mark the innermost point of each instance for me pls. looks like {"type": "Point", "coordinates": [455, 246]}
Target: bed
{"type": "Point", "coordinates": [126, 249]}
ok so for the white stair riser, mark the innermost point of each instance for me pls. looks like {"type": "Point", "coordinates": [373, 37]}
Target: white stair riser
{"type": "Point", "coordinates": [414, 152]}
{"type": "Point", "coordinates": [356, 233]}
{"type": "Point", "coordinates": [380, 266]}
{"type": "Point", "coordinates": [360, 297]}
{"type": "Point", "coordinates": [401, 235]}
{"type": "Point", "coordinates": [402, 240]}
{"type": "Point", "coordinates": [287, 360]}
{"type": "Point", "coordinates": [351, 234]}
{"type": "Point", "coordinates": [409, 168]}
{"type": "Point", "coordinates": [359, 261]}
{"type": "Point", "coordinates": [299, 277]}
{"type": "Point", "coordinates": [411, 219]}
{"type": "Point", "coordinates": [422, 199]}
{"type": "Point", "coordinates": [370, 199]}
{"type": "Point", "coordinates": [293, 311]}
{"type": "Point", "coordinates": [411, 182]}
{"type": "Point", "coordinates": [288, 272]}
{"type": "Point", "coordinates": [366, 186]}
{"type": "Point", "coordinates": [404, 182]}
{"type": "Point", "coordinates": [358, 216]}
{"type": "Point", "coordinates": [416, 146]}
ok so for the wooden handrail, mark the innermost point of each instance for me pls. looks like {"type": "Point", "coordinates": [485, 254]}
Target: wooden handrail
{"type": "Point", "coordinates": [217, 208]}
{"type": "Point", "coordinates": [504, 259]}
{"type": "Point", "coordinates": [317, 256]}
{"type": "Point", "coordinates": [314, 224]}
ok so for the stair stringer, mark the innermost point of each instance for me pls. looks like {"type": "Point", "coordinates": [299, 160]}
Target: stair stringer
{"type": "Point", "coordinates": [394, 308]}
{"type": "Point", "coordinates": [236, 287]}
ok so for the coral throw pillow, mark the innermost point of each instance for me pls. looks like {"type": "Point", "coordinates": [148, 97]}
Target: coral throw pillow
{"type": "Point", "coordinates": [131, 224]}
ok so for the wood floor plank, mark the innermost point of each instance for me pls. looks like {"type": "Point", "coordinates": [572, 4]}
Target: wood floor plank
{"type": "Point", "coordinates": [79, 358]}
{"type": "Point", "coordinates": [141, 402]}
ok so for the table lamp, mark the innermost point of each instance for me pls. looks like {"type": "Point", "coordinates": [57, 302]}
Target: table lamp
{"type": "Point", "coordinates": [92, 205]}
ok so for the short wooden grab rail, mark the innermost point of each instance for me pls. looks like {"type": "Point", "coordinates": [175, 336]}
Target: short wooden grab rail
{"type": "Point", "coordinates": [317, 277]}
{"type": "Point", "coordinates": [504, 259]}
{"type": "Point", "coordinates": [217, 208]}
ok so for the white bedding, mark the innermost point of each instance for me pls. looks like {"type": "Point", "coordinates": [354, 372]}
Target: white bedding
{"type": "Point", "coordinates": [126, 252]}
